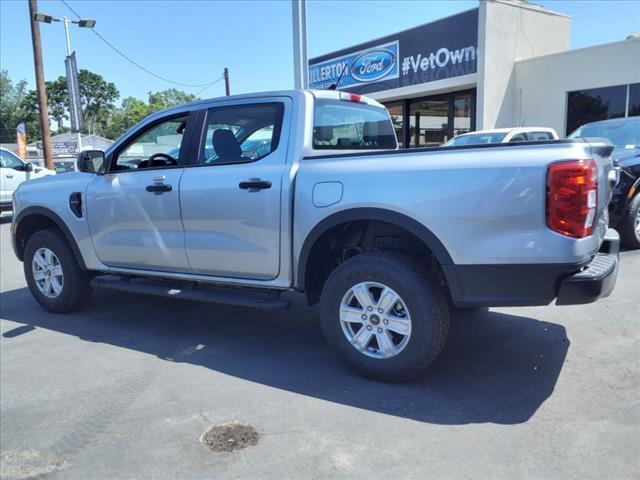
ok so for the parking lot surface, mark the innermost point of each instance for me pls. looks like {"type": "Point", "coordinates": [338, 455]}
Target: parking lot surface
{"type": "Point", "coordinates": [126, 387]}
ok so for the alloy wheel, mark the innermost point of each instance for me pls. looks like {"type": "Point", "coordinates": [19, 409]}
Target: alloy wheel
{"type": "Point", "coordinates": [47, 272]}
{"type": "Point", "coordinates": [375, 320]}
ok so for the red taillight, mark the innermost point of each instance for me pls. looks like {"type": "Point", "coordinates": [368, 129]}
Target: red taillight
{"type": "Point", "coordinates": [350, 97]}
{"type": "Point", "coordinates": [572, 197]}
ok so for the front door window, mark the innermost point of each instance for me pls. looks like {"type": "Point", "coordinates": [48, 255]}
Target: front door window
{"type": "Point", "coordinates": [9, 160]}
{"type": "Point", "coordinates": [157, 147]}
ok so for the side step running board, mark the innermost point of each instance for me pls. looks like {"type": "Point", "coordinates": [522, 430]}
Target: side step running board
{"type": "Point", "coordinates": [191, 291]}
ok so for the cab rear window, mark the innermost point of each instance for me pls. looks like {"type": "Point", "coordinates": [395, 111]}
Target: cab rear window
{"type": "Point", "coordinates": [342, 125]}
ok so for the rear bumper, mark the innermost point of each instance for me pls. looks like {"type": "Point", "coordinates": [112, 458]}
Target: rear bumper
{"type": "Point", "coordinates": [597, 279]}
{"type": "Point", "coordinates": [536, 284]}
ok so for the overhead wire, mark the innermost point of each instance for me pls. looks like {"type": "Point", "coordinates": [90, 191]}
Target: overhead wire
{"type": "Point", "coordinates": [141, 67]}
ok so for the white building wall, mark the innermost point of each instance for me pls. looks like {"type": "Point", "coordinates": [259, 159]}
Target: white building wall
{"type": "Point", "coordinates": [542, 83]}
{"type": "Point", "coordinates": [510, 30]}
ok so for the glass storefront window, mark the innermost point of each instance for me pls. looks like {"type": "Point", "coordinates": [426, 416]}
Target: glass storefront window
{"type": "Point", "coordinates": [634, 99]}
{"type": "Point", "coordinates": [461, 114]}
{"type": "Point", "coordinates": [585, 106]}
{"type": "Point", "coordinates": [396, 111]}
{"type": "Point", "coordinates": [429, 122]}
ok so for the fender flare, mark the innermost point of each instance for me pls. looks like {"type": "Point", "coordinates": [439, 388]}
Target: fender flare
{"type": "Point", "coordinates": [55, 218]}
{"type": "Point", "coordinates": [628, 197]}
{"type": "Point", "coordinates": [414, 227]}
{"type": "Point", "coordinates": [634, 190]}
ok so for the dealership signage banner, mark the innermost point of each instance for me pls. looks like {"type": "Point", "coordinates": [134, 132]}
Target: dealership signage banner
{"type": "Point", "coordinates": [442, 49]}
{"type": "Point", "coordinates": [357, 68]}
{"type": "Point", "coordinates": [73, 90]}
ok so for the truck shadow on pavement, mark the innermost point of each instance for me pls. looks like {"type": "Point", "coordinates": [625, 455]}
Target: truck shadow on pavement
{"type": "Point", "coordinates": [496, 367]}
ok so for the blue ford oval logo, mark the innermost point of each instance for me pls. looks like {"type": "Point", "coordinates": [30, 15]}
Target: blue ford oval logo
{"type": "Point", "coordinates": [373, 65]}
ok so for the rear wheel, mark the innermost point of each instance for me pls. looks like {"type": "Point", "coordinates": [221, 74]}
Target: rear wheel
{"type": "Point", "coordinates": [630, 224]}
{"type": "Point", "coordinates": [385, 314]}
{"type": "Point", "coordinates": [53, 275]}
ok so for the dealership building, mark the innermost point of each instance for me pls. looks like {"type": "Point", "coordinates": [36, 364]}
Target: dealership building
{"type": "Point", "coordinates": [507, 63]}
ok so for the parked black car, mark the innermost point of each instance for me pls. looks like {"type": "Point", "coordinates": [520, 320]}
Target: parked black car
{"type": "Point", "coordinates": [624, 209]}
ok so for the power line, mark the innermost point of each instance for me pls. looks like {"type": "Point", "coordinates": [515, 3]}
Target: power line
{"type": "Point", "coordinates": [215, 81]}
{"type": "Point", "coordinates": [126, 57]}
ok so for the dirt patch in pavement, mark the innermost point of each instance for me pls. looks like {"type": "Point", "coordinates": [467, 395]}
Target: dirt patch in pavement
{"type": "Point", "coordinates": [24, 464]}
{"type": "Point", "coordinates": [230, 436]}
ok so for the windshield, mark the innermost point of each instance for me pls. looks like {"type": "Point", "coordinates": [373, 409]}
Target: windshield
{"type": "Point", "coordinates": [623, 133]}
{"type": "Point", "coordinates": [476, 139]}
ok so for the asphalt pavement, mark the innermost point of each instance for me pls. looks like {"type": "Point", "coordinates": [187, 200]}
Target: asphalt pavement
{"type": "Point", "coordinates": [126, 387]}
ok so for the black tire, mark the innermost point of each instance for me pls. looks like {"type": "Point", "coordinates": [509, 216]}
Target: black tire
{"type": "Point", "coordinates": [76, 288]}
{"type": "Point", "coordinates": [421, 293]}
{"type": "Point", "coordinates": [628, 235]}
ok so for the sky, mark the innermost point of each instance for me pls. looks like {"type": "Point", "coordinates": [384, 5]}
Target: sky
{"type": "Point", "coordinates": [191, 41]}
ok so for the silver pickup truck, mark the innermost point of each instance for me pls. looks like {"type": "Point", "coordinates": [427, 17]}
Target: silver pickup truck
{"type": "Point", "coordinates": [239, 199]}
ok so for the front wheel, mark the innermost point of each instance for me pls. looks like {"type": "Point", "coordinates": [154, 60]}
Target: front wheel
{"type": "Point", "coordinates": [630, 224]}
{"type": "Point", "coordinates": [385, 315]}
{"type": "Point", "coordinates": [54, 277]}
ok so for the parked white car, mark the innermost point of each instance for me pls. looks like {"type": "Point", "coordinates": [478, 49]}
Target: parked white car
{"type": "Point", "coordinates": [13, 172]}
{"type": "Point", "coordinates": [503, 135]}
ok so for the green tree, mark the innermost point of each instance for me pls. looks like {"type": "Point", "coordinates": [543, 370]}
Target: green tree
{"type": "Point", "coordinates": [125, 117]}
{"type": "Point", "coordinates": [133, 110]}
{"type": "Point", "coordinates": [58, 101]}
{"type": "Point", "coordinates": [97, 98]}
{"type": "Point", "coordinates": [169, 98]}
{"type": "Point", "coordinates": [29, 112]}
{"type": "Point", "coordinates": [15, 108]}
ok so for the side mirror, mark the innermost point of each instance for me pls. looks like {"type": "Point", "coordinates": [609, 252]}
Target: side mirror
{"type": "Point", "coordinates": [25, 167]}
{"type": "Point", "coordinates": [90, 161]}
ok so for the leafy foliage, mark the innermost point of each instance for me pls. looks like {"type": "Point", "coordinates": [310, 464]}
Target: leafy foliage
{"type": "Point", "coordinates": [15, 107]}
{"type": "Point", "coordinates": [125, 117]}
{"type": "Point", "coordinates": [134, 110]}
{"type": "Point", "coordinates": [169, 98]}
{"type": "Point", "coordinates": [97, 97]}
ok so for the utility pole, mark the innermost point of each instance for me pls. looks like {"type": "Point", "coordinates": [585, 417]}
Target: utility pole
{"type": "Point", "coordinates": [40, 87]}
{"type": "Point", "coordinates": [73, 86]}
{"type": "Point", "coordinates": [226, 81]}
{"type": "Point", "coordinates": [299, 16]}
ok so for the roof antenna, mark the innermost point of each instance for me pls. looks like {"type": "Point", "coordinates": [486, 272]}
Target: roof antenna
{"type": "Point", "coordinates": [334, 86]}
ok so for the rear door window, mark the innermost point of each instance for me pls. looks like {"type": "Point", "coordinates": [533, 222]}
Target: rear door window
{"type": "Point", "coordinates": [241, 134]}
{"type": "Point", "coordinates": [342, 125]}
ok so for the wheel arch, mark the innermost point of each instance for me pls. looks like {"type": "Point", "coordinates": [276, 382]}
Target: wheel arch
{"type": "Point", "coordinates": [398, 220]}
{"type": "Point", "coordinates": [33, 219]}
